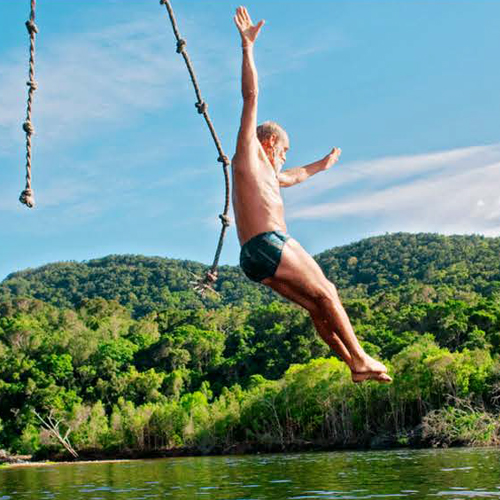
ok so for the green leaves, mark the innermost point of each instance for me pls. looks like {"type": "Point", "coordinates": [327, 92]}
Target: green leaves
{"type": "Point", "coordinates": [131, 356]}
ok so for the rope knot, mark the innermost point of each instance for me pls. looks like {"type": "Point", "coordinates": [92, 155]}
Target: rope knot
{"type": "Point", "coordinates": [28, 127]}
{"type": "Point", "coordinates": [31, 27]}
{"type": "Point", "coordinates": [27, 198]}
{"type": "Point", "coordinates": [202, 107]}
{"type": "Point", "coordinates": [163, 2]}
{"type": "Point", "coordinates": [225, 219]}
{"type": "Point", "coordinates": [223, 159]}
{"type": "Point", "coordinates": [180, 45]}
{"type": "Point", "coordinates": [211, 277]}
{"type": "Point", "coordinates": [204, 285]}
{"type": "Point", "coordinates": [32, 84]}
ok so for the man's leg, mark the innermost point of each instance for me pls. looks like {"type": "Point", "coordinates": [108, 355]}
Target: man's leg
{"type": "Point", "coordinates": [300, 279]}
{"type": "Point", "coordinates": [331, 338]}
{"type": "Point", "coordinates": [319, 321]}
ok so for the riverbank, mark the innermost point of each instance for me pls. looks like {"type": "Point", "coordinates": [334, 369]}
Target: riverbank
{"type": "Point", "coordinates": [247, 448]}
{"type": "Point", "coordinates": [48, 462]}
{"type": "Point", "coordinates": [244, 449]}
{"type": "Point", "coordinates": [48, 457]}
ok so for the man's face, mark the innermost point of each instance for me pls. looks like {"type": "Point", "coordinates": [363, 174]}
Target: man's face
{"type": "Point", "coordinates": [280, 148]}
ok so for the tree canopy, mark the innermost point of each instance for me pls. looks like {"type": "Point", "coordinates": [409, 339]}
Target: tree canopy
{"type": "Point", "coordinates": [128, 355]}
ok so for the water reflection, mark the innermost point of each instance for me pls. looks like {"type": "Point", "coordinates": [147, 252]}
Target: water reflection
{"type": "Point", "coordinates": [451, 474]}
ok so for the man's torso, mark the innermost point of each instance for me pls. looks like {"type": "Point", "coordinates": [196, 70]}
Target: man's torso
{"type": "Point", "coordinates": [258, 206]}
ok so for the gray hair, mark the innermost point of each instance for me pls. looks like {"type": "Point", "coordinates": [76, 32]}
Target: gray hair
{"type": "Point", "coordinates": [269, 128]}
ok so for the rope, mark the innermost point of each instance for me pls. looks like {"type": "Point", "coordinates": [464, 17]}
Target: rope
{"type": "Point", "coordinates": [27, 196]}
{"type": "Point", "coordinates": [205, 283]}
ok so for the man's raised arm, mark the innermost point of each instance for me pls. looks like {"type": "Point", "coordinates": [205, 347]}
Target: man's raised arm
{"type": "Point", "coordinates": [249, 80]}
{"type": "Point", "coordinates": [297, 175]}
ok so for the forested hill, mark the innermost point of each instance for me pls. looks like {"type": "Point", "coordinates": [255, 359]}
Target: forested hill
{"type": "Point", "coordinates": [373, 264]}
{"type": "Point", "coordinates": [145, 284]}
{"type": "Point", "coordinates": [171, 369]}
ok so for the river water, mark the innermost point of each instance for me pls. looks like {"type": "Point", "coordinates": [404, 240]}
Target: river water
{"type": "Point", "coordinates": [448, 474]}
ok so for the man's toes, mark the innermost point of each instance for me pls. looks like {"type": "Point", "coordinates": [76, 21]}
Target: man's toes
{"type": "Point", "coordinates": [382, 377]}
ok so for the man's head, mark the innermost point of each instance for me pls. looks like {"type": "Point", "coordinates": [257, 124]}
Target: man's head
{"type": "Point", "coordinates": [275, 142]}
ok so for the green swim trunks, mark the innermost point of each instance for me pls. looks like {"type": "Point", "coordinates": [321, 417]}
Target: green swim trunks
{"type": "Point", "coordinates": [260, 256]}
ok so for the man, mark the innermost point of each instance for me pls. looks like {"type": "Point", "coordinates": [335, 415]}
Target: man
{"type": "Point", "coordinates": [268, 254]}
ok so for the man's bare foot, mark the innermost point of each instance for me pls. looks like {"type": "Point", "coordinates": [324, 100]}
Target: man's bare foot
{"type": "Point", "coordinates": [358, 377]}
{"type": "Point", "coordinates": [369, 369]}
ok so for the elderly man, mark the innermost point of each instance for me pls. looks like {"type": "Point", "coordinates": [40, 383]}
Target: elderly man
{"type": "Point", "coordinates": [268, 254]}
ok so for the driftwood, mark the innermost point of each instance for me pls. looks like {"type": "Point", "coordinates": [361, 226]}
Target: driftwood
{"type": "Point", "coordinates": [52, 425]}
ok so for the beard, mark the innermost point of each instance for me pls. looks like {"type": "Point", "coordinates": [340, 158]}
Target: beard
{"type": "Point", "coordinates": [276, 160]}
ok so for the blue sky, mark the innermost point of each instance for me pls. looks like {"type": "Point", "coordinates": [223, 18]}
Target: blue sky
{"type": "Point", "coordinates": [123, 163]}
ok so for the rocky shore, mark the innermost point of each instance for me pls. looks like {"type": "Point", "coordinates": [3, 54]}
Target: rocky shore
{"type": "Point", "coordinates": [6, 458]}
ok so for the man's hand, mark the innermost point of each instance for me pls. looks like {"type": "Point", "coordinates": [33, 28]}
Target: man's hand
{"type": "Point", "coordinates": [248, 31]}
{"type": "Point", "coordinates": [331, 158]}
{"type": "Point", "coordinates": [297, 175]}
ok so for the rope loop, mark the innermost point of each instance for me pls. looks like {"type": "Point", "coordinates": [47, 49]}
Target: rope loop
{"type": "Point", "coordinates": [223, 159]}
{"type": "Point", "coordinates": [31, 27]}
{"type": "Point", "coordinates": [27, 198]}
{"type": "Point", "coordinates": [180, 45]}
{"type": "Point", "coordinates": [202, 107]}
{"type": "Point", "coordinates": [225, 219]}
{"type": "Point", "coordinates": [28, 128]}
{"type": "Point", "coordinates": [32, 84]}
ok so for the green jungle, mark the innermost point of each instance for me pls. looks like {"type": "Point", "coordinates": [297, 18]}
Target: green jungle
{"type": "Point", "coordinates": [119, 355]}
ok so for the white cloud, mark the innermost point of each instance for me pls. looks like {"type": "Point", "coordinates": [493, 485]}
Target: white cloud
{"type": "Point", "coordinates": [449, 192]}
{"type": "Point", "coordinates": [95, 84]}
{"type": "Point", "coordinates": [90, 80]}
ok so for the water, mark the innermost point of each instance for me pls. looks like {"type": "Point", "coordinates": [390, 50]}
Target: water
{"type": "Point", "coordinates": [447, 474]}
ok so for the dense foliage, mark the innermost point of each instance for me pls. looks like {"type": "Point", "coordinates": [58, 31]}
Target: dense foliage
{"type": "Point", "coordinates": [147, 284]}
{"type": "Point", "coordinates": [128, 356]}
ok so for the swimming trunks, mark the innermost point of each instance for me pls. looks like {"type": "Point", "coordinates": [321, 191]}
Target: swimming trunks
{"type": "Point", "coordinates": [260, 256]}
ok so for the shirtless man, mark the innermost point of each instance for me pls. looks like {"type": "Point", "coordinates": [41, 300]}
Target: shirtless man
{"type": "Point", "coordinates": [268, 254]}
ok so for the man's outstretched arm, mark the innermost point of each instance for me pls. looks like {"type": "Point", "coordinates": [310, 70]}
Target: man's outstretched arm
{"type": "Point", "coordinates": [297, 175]}
{"type": "Point", "coordinates": [249, 79]}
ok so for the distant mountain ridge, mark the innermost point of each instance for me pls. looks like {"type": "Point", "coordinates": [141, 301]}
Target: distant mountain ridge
{"type": "Point", "coordinates": [144, 284]}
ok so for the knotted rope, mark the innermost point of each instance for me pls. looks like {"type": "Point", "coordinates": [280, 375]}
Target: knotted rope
{"type": "Point", "coordinates": [205, 283]}
{"type": "Point", "coordinates": [27, 196]}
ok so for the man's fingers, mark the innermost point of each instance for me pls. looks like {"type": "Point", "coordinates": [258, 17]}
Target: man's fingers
{"type": "Point", "coordinates": [240, 16]}
{"type": "Point", "coordinates": [244, 23]}
{"type": "Point", "coordinates": [242, 12]}
{"type": "Point", "coordinates": [238, 23]}
{"type": "Point", "coordinates": [246, 15]}
{"type": "Point", "coordinates": [333, 156]}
